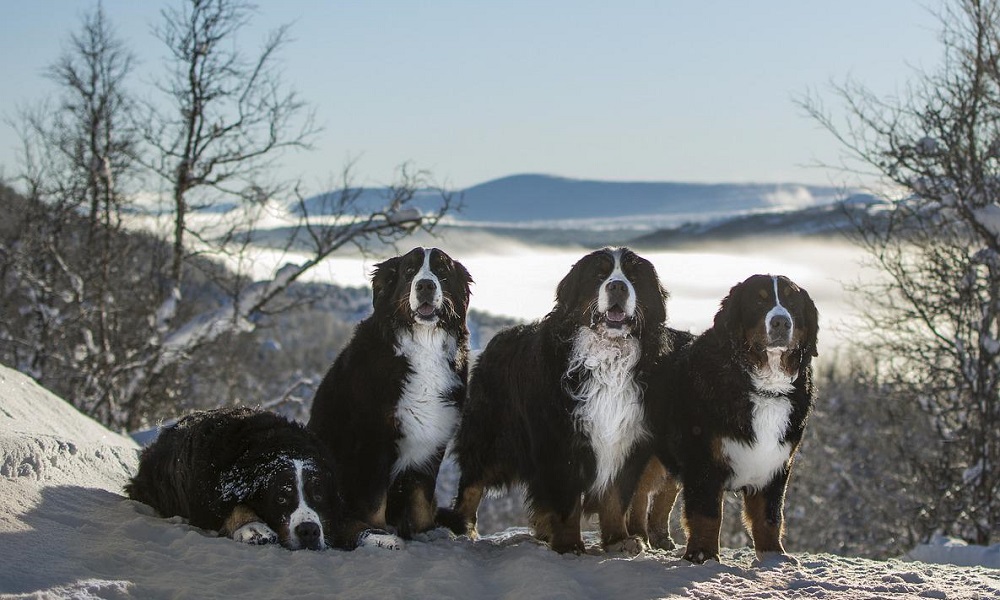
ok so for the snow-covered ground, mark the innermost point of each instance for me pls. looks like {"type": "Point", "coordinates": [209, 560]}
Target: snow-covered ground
{"type": "Point", "coordinates": [66, 531]}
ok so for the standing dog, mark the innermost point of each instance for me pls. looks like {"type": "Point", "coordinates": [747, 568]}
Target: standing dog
{"type": "Point", "coordinates": [558, 405]}
{"type": "Point", "coordinates": [736, 408]}
{"type": "Point", "coordinates": [390, 403]}
{"type": "Point", "coordinates": [252, 476]}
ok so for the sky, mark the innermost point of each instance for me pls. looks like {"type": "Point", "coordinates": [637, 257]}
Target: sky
{"type": "Point", "coordinates": [474, 90]}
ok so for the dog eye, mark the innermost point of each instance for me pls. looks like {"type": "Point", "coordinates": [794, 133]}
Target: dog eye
{"type": "Point", "coordinates": [282, 500]}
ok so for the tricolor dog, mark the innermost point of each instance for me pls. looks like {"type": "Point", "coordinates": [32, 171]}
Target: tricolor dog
{"type": "Point", "coordinates": [390, 403]}
{"type": "Point", "coordinates": [731, 412]}
{"type": "Point", "coordinates": [559, 405]}
{"type": "Point", "coordinates": [250, 475]}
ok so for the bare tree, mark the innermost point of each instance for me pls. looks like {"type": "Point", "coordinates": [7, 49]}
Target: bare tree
{"type": "Point", "coordinates": [228, 116]}
{"type": "Point", "coordinates": [934, 319]}
{"type": "Point", "coordinates": [78, 158]}
{"type": "Point", "coordinates": [116, 336]}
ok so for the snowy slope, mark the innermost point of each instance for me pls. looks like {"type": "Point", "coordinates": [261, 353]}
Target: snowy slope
{"type": "Point", "coordinates": [66, 532]}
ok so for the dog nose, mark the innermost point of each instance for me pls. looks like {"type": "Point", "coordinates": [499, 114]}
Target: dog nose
{"type": "Point", "coordinates": [425, 285]}
{"type": "Point", "coordinates": [308, 534]}
{"type": "Point", "coordinates": [617, 287]}
{"type": "Point", "coordinates": [780, 325]}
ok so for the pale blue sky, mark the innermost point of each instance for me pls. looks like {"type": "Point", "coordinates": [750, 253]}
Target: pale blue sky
{"type": "Point", "coordinates": [473, 90]}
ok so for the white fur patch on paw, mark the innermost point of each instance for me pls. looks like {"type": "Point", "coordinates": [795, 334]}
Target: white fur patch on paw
{"type": "Point", "coordinates": [377, 538]}
{"type": "Point", "coordinates": [256, 534]}
{"type": "Point", "coordinates": [630, 546]}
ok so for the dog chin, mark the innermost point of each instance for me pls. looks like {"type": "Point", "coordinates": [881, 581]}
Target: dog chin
{"type": "Point", "coordinates": [430, 321]}
{"type": "Point", "coordinates": [608, 328]}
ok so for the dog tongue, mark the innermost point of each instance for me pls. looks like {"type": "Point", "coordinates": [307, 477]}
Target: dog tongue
{"type": "Point", "coordinates": [615, 315]}
{"type": "Point", "coordinates": [425, 310]}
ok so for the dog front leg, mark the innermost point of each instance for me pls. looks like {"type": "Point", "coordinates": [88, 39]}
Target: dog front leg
{"type": "Point", "coordinates": [614, 534]}
{"type": "Point", "coordinates": [702, 520]}
{"type": "Point", "coordinates": [244, 525]}
{"type": "Point", "coordinates": [763, 515]}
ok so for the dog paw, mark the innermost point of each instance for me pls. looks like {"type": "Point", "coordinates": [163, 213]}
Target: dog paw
{"type": "Point", "coordinates": [661, 541]}
{"type": "Point", "coordinates": [378, 538]}
{"type": "Point", "coordinates": [630, 546]}
{"type": "Point", "coordinates": [772, 560]}
{"type": "Point", "coordinates": [700, 556]}
{"type": "Point", "coordinates": [256, 534]}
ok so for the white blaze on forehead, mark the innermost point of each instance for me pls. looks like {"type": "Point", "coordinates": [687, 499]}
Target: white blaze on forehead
{"type": "Point", "coordinates": [303, 513]}
{"type": "Point", "coordinates": [603, 302]}
{"type": "Point", "coordinates": [425, 272]}
{"type": "Point", "coordinates": [778, 310]}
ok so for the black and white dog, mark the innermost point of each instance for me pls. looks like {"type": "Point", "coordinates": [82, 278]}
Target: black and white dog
{"type": "Point", "coordinates": [558, 405]}
{"type": "Point", "coordinates": [390, 403]}
{"type": "Point", "coordinates": [251, 475]}
{"type": "Point", "coordinates": [734, 411]}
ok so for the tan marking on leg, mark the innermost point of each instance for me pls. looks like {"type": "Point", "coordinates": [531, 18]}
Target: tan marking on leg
{"type": "Point", "coordinates": [346, 535]}
{"type": "Point", "coordinates": [566, 531]}
{"type": "Point", "coordinates": [468, 507]}
{"type": "Point", "coordinates": [240, 516]}
{"type": "Point", "coordinates": [614, 534]}
{"type": "Point", "coordinates": [377, 518]}
{"type": "Point", "coordinates": [638, 511]}
{"type": "Point", "coordinates": [611, 513]}
{"type": "Point", "coordinates": [541, 523]}
{"type": "Point", "coordinates": [658, 525]}
{"type": "Point", "coordinates": [421, 511]}
{"type": "Point", "coordinates": [702, 537]}
{"type": "Point", "coordinates": [766, 535]}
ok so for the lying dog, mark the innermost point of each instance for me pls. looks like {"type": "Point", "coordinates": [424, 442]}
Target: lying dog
{"type": "Point", "coordinates": [731, 413]}
{"type": "Point", "coordinates": [251, 475]}
{"type": "Point", "coordinates": [390, 403]}
{"type": "Point", "coordinates": [558, 405]}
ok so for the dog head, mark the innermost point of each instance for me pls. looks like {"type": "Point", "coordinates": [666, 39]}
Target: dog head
{"type": "Point", "coordinates": [296, 497]}
{"type": "Point", "coordinates": [770, 313]}
{"type": "Point", "coordinates": [423, 287]}
{"type": "Point", "coordinates": [614, 291]}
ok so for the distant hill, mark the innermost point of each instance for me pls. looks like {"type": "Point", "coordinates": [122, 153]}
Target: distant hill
{"type": "Point", "coordinates": [545, 200]}
{"type": "Point", "coordinates": [827, 220]}
{"type": "Point", "coordinates": [527, 198]}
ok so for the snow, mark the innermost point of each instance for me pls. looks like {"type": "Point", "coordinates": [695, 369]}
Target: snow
{"type": "Point", "coordinates": [67, 532]}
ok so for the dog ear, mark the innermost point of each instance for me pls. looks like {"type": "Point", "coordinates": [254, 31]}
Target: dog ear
{"type": "Point", "coordinates": [727, 319]}
{"type": "Point", "coordinates": [384, 278]}
{"type": "Point", "coordinates": [465, 279]}
{"type": "Point", "coordinates": [566, 291]}
{"type": "Point", "coordinates": [812, 325]}
{"type": "Point", "coordinates": [658, 313]}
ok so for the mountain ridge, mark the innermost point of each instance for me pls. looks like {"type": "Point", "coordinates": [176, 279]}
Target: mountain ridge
{"type": "Point", "coordinates": [539, 198]}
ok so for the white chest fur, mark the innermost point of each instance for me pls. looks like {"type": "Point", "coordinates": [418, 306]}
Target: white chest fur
{"type": "Point", "coordinates": [609, 401]}
{"type": "Point", "coordinates": [755, 464]}
{"type": "Point", "coordinates": [426, 420]}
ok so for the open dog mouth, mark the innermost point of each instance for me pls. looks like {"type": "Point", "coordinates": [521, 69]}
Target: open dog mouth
{"type": "Point", "coordinates": [616, 317]}
{"type": "Point", "coordinates": [426, 311]}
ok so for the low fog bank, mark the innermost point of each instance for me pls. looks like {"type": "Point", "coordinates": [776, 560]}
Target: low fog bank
{"type": "Point", "coordinates": [517, 279]}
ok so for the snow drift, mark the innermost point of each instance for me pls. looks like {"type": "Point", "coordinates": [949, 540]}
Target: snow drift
{"type": "Point", "coordinates": [67, 532]}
